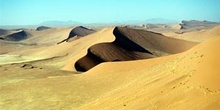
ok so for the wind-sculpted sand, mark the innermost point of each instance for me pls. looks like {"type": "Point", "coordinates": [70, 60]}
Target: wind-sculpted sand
{"type": "Point", "coordinates": [125, 69]}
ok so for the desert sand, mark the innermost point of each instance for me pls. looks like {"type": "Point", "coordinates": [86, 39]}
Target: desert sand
{"type": "Point", "coordinates": [125, 69]}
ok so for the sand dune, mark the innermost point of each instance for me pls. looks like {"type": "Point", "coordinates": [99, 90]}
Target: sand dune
{"type": "Point", "coordinates": [3, 32]}
{"type": "Point", "coordinates": [76, 33]}
{"type": "Point", "coordinates": [41, 28]}
{"type": "Point", "coordinates": [46, 47]}
{"type": "Point", "coordinates": [80, 31]}
{"type": "Point", "coordinates": [36, 42]}
{"type": "Point", "coordinates": [17, 36]}
{"type": "Point", "coordinates": [49, 36]}
{"type": "Point", "coordinates": [131, 44]}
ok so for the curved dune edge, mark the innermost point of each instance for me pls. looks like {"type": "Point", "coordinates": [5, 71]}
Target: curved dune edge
{"type": "Point", "coordinates": [131, 44]}
{"type": "Point", "coordinates": [171, 80]}
{"type": "Point", "coordinates": [104, 35]}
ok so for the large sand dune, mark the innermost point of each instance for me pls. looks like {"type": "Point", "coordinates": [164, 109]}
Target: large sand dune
{"type": "Point", "coordinates": [131, 44]}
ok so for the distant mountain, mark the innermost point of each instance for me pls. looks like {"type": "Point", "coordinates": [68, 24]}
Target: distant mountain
{"type": "Point", "coordinates": [160, 21]}
{"type": "Point", "coordinates": [60, 23]}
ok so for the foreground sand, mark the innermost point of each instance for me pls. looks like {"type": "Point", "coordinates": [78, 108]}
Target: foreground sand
{"type": "Point", "coordinates": [188, 80]}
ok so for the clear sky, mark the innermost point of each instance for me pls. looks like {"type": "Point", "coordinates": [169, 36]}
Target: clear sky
{"type": "Point", "coordinates": [30, 12]}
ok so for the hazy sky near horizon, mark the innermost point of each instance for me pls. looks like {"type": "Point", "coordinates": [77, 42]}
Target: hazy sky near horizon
{"type": "Point", "coordinates": [31, 12]}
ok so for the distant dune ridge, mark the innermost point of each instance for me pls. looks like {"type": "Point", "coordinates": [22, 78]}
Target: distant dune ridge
{"type": "Point", "coordinates": [131, 44]}
{"type": "Point", "coordinates": [80, 31]}
{"type": "Point", "coordinates": [196, 23]}
{"type": "Point", "coordinates": [17, 36]}
{"type": "Point", "coordinates": [77, 32]}
{"type": "Point", "coordinates": [193, 25]}
{"type": "Point", "coordinates": [197, 36]}
{"type": "Point", "coordinates": [179, 28]}
{"type": "Point", "coordinates": [41, 28]}
{"type": "Point", "coordinates": [3, 32]}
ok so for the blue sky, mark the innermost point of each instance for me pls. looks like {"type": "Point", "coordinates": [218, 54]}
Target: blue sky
{"type": "Point", "coordinates": [30, 12]}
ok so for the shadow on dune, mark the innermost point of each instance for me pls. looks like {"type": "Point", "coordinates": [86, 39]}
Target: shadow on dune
{"type": "Point", "coordinates": [16, 36]}
{"type": "Point", "coordinates": [42, 28]}
{"type": "Point", "coordinates": [131, 44]}
{"type": "Point", "coordinates": [3, 32]}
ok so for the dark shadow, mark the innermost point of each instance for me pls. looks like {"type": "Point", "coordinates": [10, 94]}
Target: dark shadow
{"type": "Point", "coordinates": [87, 62]}
{"type": "Point", "coordinates": [126, 43]}
{"type": "Point", "coordinates": [17, 36]}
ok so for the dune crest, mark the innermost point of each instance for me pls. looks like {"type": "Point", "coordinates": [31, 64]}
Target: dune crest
{"type": "Point", "coordinates": [76, 33]}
